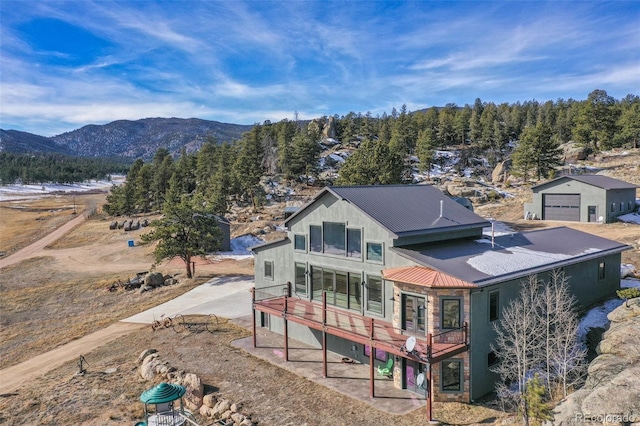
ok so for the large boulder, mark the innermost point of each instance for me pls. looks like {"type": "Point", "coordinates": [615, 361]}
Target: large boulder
{"type": "Point", "coordinates": [155, 279]}
{"type": "Point", "coordinates": [145, 353]}
{"type": "Point", "coordinates": [573, 152]}
{"type": "Point", "coordinates": [501, 171]}
{"type": "Point", "coordinates": [195, 391]}
{"type": "Point", "coordinates": [612, 388]}
{"type": "Point", "coordinates": [149, 366]}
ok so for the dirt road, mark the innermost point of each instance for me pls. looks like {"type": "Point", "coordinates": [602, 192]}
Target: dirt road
{"type": "Point", "coordinates": [33, 249]}
{"type": "Point", "coordinates": [15, 376]}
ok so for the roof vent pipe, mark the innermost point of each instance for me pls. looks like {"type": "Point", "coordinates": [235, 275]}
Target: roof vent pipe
{"type": "Point", "coordinates": [441, 201]}
{"type": "Point", "coordinates": [493, 234]}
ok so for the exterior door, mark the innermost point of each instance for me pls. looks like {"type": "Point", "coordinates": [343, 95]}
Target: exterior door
{"type": "Point", "coordinates": [411, 371]}
{"type": "Point", "coordinates": [592, 213]}
{"type": "Point", "coordinates": [414, 315]}
{"type": "Point", "coordinates": [328, 278]}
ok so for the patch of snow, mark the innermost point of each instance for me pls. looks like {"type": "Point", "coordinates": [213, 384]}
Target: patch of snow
{"type": "Point", "coordinates": [336, 158]}
{"type": "Point", "coordinates": [329, 141]}
{"type": "Point", "coordinates": [630, 218]}
{"type": "Point", "coordinates": [499, 228]}
{"type": "Point", "coordinates": [496, 263]}
{"type": "Point", "coordinates": [626, 270]}
{"type": "Point", "coordinates": [630, 283]}
{"type": "Point", "coordinates": [240, 248]}
{"type": "Point", "coordinates": [596, 317]}
{"type": "Point", "coordinates": [31, 191]}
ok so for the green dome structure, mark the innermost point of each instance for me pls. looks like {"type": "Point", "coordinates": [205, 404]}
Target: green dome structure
{"type": "Point", "coordinates": [164, 392]}
{"type": "Point", "coordinates": [164, 411]}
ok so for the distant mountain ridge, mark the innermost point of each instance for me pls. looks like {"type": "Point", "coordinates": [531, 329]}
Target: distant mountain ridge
{"type": "Point", "coordinates": [125, 138]}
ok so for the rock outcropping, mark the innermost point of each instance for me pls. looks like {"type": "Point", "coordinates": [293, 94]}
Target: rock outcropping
{"type": "Point", "coordinates": [611, 394]}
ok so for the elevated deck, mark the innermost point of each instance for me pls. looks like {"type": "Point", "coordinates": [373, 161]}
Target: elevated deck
{"type": "Point", "coordinates": [364, 330]}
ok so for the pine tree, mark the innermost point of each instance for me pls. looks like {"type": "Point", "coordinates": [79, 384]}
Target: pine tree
{"type": "Point", "coordinates": [248, 169]}
{"type": "Point", "coordinates": [186, 230]}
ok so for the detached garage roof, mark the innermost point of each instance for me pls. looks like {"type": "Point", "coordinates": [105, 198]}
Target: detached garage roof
{"type": "Point", "coordinates": [604, 182]}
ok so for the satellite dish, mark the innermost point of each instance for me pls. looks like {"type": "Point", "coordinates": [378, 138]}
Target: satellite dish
{"type": "Point", "coordinates": [420, 380]}
{"type": "Point", "coordinates": [410, 344]}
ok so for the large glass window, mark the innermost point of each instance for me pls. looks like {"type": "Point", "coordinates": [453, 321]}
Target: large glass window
{"type": "Point", "coordinates": [301, 278]}
{"type": "Point", "coordinates": [374, 252]}
{"type": "Point", "coordinates": [315, 238]}
{"type": "Point", "coordinates": [494, 306]}
{"type": "Point", "coordinates": [354, 243]}
{"type": "Point", "coordinates": [451, 376]}
{"type": "Point", "coordinates": [300, 242]}
{"type": "Point", "coordinates": [450, 313]}
{"type": "Point", "coordinates": [316, 283]}
{"type": "Point", "coordinates": [334, 238]}
{"type": "Point", "coordinates": [341, 290]}
{"type": "Point", "coordinates": [355, 299]}
{"type": "Point", "coordinates": [374, 294]}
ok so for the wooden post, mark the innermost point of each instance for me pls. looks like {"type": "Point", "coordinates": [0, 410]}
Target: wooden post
{"type": "Point", "coordinates": [253, 308]}
{"type": "Point", "coordinates": [324, 334]}
{"type": "Point", "coordinates": [372, 373]}
{"type": "Point", "coordinates": [430, 396]}
{"type": "Point", "coordinates": [286, 331]}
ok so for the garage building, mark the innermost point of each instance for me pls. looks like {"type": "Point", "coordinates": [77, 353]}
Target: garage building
{"type": "Point", "coordinates": [582, 198]}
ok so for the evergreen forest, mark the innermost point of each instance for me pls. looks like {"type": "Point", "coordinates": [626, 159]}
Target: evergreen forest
{"type": "Point", "coordinates": [529, 133]}
{"type": "Point", "coordinates": [40, 168]}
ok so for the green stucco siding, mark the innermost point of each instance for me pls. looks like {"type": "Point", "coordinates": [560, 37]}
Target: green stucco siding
{"type": "Point", "coordinates": [599, 199]}
{"type": "Point", "coordinates": [585, 283]}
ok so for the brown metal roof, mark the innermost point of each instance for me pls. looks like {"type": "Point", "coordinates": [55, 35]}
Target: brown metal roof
{"type": "Point", "coordinates": [427, 277]}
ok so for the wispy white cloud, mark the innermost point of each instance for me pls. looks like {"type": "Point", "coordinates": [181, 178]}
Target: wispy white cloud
{"type": "Point", "coordinates": [246, 62]}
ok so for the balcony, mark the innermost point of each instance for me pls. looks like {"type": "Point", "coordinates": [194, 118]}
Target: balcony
{"type": "Point", "coordinates": [376, 333]}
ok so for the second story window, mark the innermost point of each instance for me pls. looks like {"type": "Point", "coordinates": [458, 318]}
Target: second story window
{"type": "Point", "coordinates": [300, 242]}
{"type": "Point", "coordinates": [268, 269]}
{"type": "Point", "coordinates": [333, 238]}
{"type": "Point", "coordinates": [354, 243]}
{"type": "Point", "coordinates": [374, 252]}
{"type": "Point", "coordinates": [450, 313]}
{"type": "Point", "coordinates": [315, 238]}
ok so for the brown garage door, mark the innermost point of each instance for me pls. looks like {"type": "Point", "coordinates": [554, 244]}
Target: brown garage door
{"type": "Point", "coordinates": [562, 207]}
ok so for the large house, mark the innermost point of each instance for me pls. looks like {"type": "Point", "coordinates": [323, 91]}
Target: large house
{"type": "Point", "coordinates": [582, 198]}
{"type": "Point", "coordinates": [401, 277]}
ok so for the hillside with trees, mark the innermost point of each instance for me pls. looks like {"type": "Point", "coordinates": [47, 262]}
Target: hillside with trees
{"type": "Point", "coordinates": [386, 149]}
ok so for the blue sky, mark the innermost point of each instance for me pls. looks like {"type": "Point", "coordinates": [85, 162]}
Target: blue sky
{"type": "Point", "coordinates": [68, 64]}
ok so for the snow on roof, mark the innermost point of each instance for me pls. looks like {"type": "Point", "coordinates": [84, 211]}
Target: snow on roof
{"type": "Point", "coordinates": [515, 259]}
